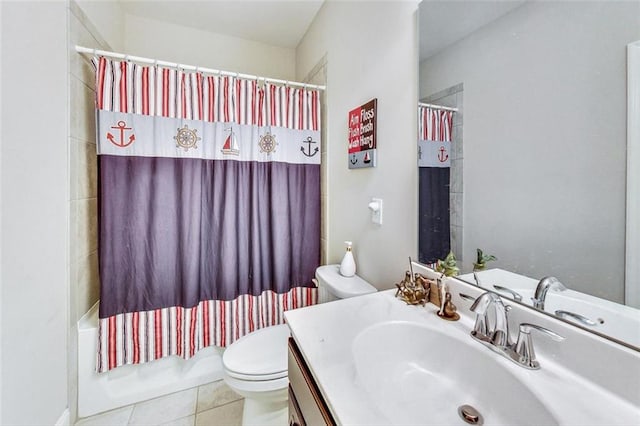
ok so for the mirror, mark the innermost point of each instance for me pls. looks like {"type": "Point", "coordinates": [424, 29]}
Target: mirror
{"type": "Point", "coordinates": [539, 146]}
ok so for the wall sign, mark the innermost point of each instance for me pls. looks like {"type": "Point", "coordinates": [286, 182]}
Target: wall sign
{"type": "Point", "coordinates": [362, 135]}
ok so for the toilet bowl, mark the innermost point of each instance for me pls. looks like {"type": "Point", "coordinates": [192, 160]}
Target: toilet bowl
{"type": "Point", "coordinates": [255, 366]}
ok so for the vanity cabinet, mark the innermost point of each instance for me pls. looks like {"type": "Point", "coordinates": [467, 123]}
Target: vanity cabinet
{"type": "Point", "coordinates": [306, 404]}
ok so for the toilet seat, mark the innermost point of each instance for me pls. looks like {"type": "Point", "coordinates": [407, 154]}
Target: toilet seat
{"type": "Point", "coordinates": [258, 356]}
{"type": "Point", "coordinates": [256, 377]}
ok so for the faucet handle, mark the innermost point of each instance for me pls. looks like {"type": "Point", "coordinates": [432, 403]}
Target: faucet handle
{"type": "Point", "coordinates": [524, 346]}
{"type": "Point", "coordinates": [514, 295]}
{"type": "Point", "coordinates": [580, 318]}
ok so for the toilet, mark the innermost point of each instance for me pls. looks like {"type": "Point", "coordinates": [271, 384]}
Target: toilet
{"type": "Point", "coordinates": [255, 366]}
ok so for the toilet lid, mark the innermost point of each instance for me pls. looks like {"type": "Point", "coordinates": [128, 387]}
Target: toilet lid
{"type": "Point", "coordinates": [342, 287]}
{"type": "Point", "coordinates": [261, 355]}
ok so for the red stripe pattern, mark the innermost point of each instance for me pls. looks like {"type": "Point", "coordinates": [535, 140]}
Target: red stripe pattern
{"type": "Point", "coordinates": [167, 92]}
{"type": "Point", "coordinates": [434, 124]}
{"type": "Point", "coordinates": [140, 337]}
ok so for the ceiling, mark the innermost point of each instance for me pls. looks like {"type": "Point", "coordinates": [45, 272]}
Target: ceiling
{"type": "Point", "coordinates": [280, 23]}
{"type": "Point", "coordinates": [283, 23]}
{"type": "Point", "coordinates": [442, 23]}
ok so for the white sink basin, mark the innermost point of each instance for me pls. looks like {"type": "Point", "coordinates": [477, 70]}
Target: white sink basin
{"type": "Point", "coordinates": [415, 374]}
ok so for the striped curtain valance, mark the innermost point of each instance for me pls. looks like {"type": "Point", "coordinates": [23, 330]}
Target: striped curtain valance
{"type": "Point", "coordinates": [434, 124]}
{"type": "Point", "coordinates": [166, 92]}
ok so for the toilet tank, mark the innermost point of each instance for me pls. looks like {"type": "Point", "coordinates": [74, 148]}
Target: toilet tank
{"type": "Point", "coordinates": [333, 286]}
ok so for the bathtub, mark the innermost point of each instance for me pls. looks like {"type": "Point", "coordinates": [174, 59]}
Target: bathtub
{"type": "Point", "coordinates": [134, 383]}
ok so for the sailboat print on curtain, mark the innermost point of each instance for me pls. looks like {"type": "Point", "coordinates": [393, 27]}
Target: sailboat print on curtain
{"type": "Point", "coordinates": [230, 146]}
{"type": "Point", "coordinates": [199, 247]}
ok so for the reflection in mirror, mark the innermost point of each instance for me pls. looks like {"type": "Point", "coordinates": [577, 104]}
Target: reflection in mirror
{"type": "Point", "coordinates": [540, 148]}
{"type": "Point", "coordinates": [436, 169]}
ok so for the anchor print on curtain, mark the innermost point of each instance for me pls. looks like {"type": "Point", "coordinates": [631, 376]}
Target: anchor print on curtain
{"type": "Point", "coordinates": [434, 147]}
{"type": "Point", "coordinates": [209, 202]}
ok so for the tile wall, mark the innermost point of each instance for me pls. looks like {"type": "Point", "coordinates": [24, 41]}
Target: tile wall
{"type": "Point", "coordinates": [84, 281]}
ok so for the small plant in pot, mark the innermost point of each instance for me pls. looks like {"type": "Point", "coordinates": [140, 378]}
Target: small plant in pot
{"type": "Point", "coordinates": [481, 261]}
{"type": "Point", "coordinates": [448, 265]}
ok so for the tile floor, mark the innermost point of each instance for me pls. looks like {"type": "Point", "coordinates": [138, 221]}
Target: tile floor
{"type": "Point", "coordinates": [213, 404]}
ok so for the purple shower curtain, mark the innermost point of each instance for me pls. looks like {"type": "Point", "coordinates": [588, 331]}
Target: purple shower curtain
{"type": "Point", "coordinates": [209, 208]}
{"type": "Point", "coordinates": [434, 145]}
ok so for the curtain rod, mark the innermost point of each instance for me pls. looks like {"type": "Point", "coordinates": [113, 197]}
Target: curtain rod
{"type": "Point", "coordinates": [438, 107]}
{"type": "Point", "coordinates": [81, 49]}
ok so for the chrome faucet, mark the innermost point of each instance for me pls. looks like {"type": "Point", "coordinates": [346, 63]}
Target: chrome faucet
{"type": "Point", "coordinates": [495, 335]}
{"type": "Point", "coordinates": [543, 287]}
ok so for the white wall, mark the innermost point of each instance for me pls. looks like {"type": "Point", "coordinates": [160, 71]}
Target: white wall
{"type": "Point", "coordinates": [371, 53]}
{"type": "Point", "coordinates": [159, 40]}
{"type": "Point", "coordinates": [108, 19]}
{"type": "Point", "coordinates": [544, 136]}
{"type": "Point", "coordinates": [34, 206]}
{"type": "Point", "coordinates": [1, 304]}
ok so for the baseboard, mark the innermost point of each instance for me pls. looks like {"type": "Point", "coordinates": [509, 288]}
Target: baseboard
{"type": "Point", "coordinates": [64, 418]}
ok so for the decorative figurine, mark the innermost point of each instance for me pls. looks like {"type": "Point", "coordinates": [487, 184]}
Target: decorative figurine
{"type": "Point", "coordinates": [449, 310]}
{"type": "Point", "coordinates": [413, 292]}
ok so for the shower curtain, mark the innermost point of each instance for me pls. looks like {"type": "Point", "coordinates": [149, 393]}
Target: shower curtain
{"type": "Point", "coordinates": [434, 151]}
{"type": "Point", "coordinates": [209, 208]}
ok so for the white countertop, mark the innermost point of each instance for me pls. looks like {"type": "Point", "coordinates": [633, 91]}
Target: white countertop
{"type": "Point", "coordinates": [324, 334]}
